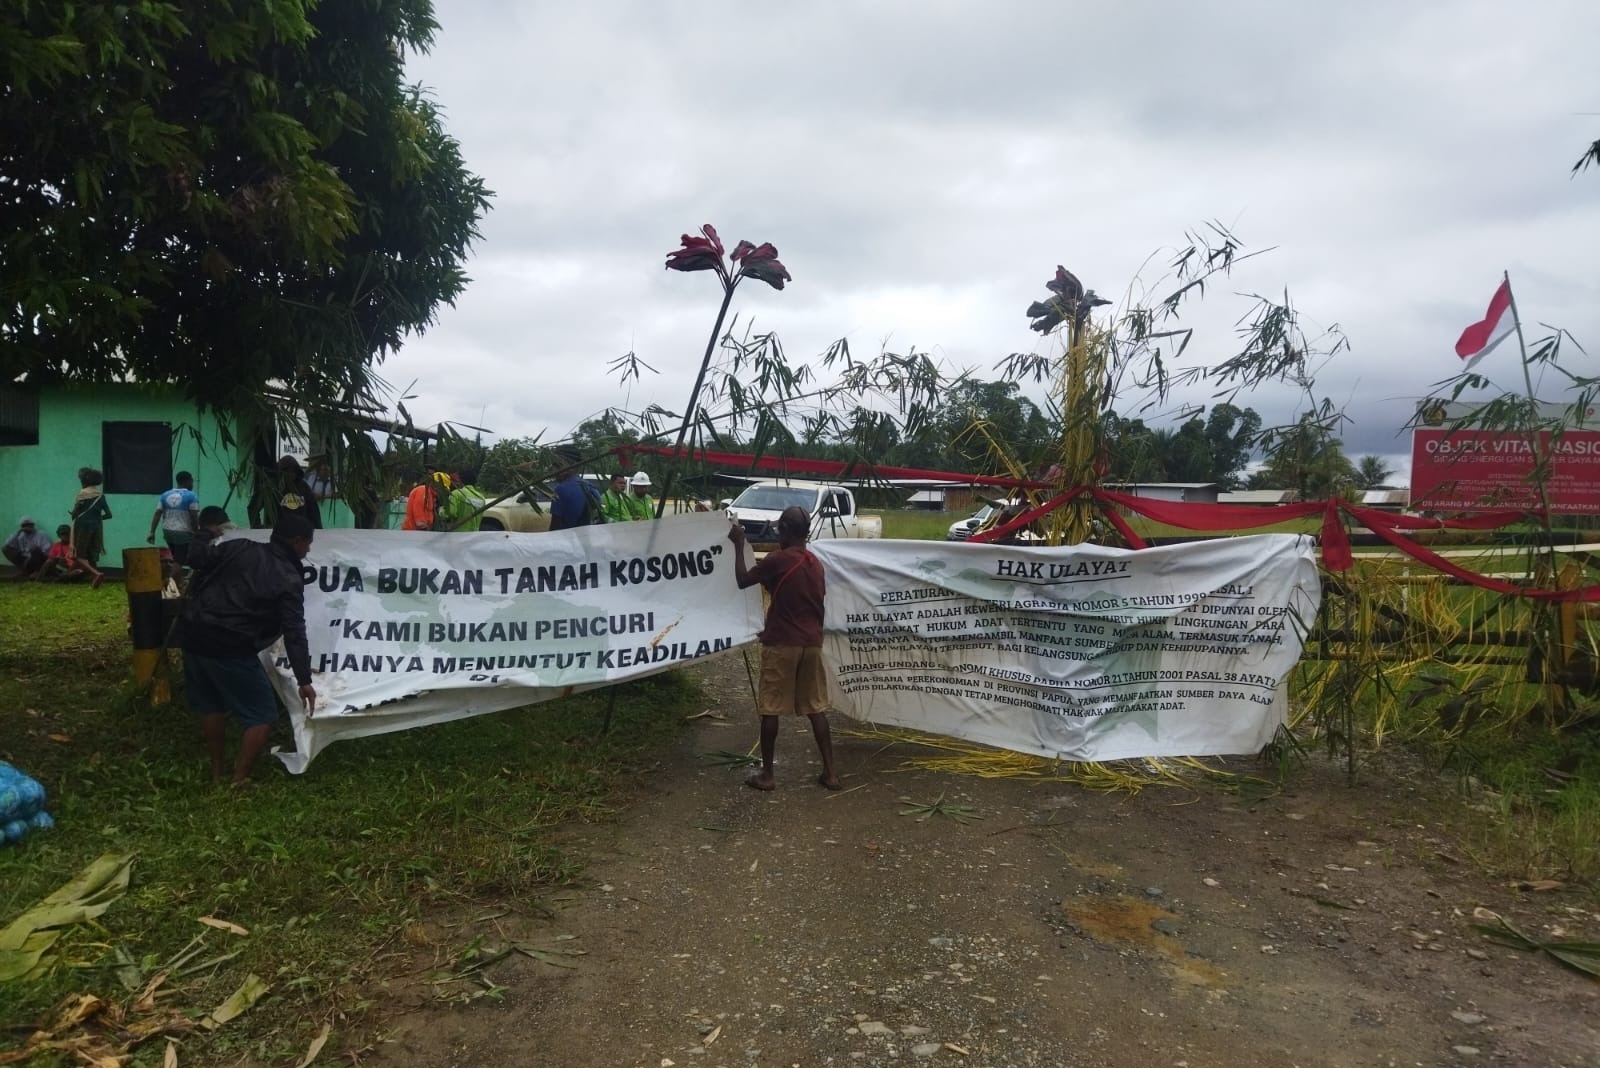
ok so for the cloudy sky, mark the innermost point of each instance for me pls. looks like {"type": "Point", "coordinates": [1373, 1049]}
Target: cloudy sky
{"type": "Point", "coordinates": [923, 167]}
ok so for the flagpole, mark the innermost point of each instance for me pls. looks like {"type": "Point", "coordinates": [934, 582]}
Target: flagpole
{"type": "Point", "coordinates": [1533, 402]}
{"type": "Point", "coordinates": [1555, 651]}
{"type": "Point", "coordinates": [1522, 344]}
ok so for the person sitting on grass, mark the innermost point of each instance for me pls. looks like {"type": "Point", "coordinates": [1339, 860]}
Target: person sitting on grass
{"type": "Point", "coordinates": [27, 549]}
{"type": "Point", "coordinates": [62, 562]}
{"type": "Point", "coordinates": [792, 681]}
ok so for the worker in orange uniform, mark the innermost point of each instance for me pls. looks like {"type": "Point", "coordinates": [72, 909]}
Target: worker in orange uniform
{"type": "Point", "coordinates": [425, 503]}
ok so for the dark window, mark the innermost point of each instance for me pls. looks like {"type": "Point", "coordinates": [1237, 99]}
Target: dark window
{"type": "Point", "coordinates": [136, 457]}
{"type": "Point", "coordinates": [19, 417]}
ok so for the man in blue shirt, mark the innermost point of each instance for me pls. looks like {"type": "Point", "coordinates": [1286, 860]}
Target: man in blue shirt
{"type": "Point", "coordinates": [28, 548]}
{"type": "Point", "coordinates": [178, 512]}
{"type": "Point", "coordinates": [574, 504]}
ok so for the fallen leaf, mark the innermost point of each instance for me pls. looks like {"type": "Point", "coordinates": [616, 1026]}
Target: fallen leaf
{"type": "Point", "coordinates": [64, 739]}
{"type": "Point", "coordinates": [953, 1048]}
{"type": "Point", "coordinates": [316, 1046]}
{"type": "Point", "coordinates": [716, 1032]}
{"type": "Point", "coordinates": [223, 925]}
{"type": "Point", "coordinates": [170, 1058]}
{"type": "Point", "coordinates": [1540, 884]}
{"type": "Point", "coordinates": [238, 1003]}
{"type": "Point", "coordinates": [145, 1001]}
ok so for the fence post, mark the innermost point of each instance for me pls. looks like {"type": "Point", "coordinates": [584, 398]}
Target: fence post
{"type": "Point", "coordinates": [1566, 637]}
{"type": "Point", "coordinates": [143, 578]}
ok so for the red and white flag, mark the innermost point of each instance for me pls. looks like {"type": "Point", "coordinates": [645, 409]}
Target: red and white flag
{"type": "Point", "coordinates": [1482, 337]}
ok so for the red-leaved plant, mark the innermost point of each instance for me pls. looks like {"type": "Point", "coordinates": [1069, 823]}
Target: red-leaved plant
{"type": "Point", "coordinates": [749, 260]}
{"type": "Point", "coordinates": [705, 253]}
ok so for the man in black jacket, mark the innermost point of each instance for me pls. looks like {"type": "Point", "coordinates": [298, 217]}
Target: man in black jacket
{"type": "Point", "coordinates": [243, 595]}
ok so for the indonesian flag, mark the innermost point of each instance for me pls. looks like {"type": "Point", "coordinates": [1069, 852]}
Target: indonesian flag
{"type": "Point", "coordinates": [1482, 337]}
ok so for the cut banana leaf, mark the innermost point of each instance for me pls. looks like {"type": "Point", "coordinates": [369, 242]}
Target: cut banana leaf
{"type": "Point", "coordinates": [25, 942]}
{"type": "Point", "coordinates": [250, 991]}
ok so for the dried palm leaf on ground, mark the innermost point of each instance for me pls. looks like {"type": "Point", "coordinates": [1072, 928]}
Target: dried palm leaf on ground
{"type": "Point", "coordinates": [988, 763]}
{"type": "Point", "coordinates": [728, 759]}
{"type": "Point", "coordinates": [939, 807]}
{"type": "Point", "coordinates": [1579, 956]}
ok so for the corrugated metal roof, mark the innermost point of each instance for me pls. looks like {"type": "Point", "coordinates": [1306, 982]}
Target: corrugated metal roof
{"type": "Point", "coordinates": [1268, 496]}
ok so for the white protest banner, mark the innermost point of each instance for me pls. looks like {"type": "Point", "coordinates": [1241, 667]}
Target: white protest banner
{"type": "Point", "coordinates": [409, 628]}
{"type": "Point", "coordinates": [1075, 653]}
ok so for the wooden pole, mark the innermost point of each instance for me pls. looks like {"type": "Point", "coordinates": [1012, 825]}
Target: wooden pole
{"type": "Point", "coordinates": [144, 579]}
{"type": "Point", "coordinates": [694, 394]}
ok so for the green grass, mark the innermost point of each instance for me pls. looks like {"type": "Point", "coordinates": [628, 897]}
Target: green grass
{"type": "Point", "coordinates": [323, 869]}
{"type": "Point", "coordinates": [1543, 799]}
{"type": "Point", "coordinates": [918, 525]}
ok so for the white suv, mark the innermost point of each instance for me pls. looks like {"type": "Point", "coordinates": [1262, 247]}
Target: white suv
{"type": "Point", "coordinates": [962, 529]}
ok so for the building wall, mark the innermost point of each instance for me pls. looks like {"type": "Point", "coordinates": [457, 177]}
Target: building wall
{"type": "Point", "coordinates": [41, 480]}
{"type": "Point", "coordinates": [964, 499]}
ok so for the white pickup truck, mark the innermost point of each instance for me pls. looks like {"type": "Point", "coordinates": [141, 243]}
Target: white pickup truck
{"type": "Point", "coordinates": [832, 510]}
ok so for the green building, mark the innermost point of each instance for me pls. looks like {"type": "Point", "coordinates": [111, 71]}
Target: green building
{"type": "Point", "coordinates": [139, 436]}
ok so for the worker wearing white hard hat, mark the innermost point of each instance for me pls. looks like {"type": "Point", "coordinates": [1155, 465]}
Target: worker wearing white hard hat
{"type": "Point", "coordinates": [639, 502]}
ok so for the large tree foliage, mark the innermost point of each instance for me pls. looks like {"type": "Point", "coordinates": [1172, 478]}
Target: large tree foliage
{"type": "Point", "coordinates": [1308, 458]}
{"type": "Point", "coordinates": [1213, 449]}
{"type": "Point", "coordinates": [1372, 472]}
{"type": "Point", "coordinates": [976, 416]}
{"type": "Point", "coordinates": [247, 200]}
{"type": "Point", "coordinates": [605, 431]}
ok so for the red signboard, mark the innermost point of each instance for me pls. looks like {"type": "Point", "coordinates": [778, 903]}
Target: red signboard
{"type": "Point", "coordinates": [1466, 470]}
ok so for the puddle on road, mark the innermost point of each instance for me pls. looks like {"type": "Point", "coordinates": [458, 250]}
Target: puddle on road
{"type": "Point", "coordinates": [1127, 922]}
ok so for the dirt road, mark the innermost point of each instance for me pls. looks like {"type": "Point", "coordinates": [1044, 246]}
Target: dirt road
{"type": "Point", "coordinates": [722, 927]}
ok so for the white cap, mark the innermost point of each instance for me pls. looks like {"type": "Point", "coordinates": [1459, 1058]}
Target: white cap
{"type": "Point", "coordinates": [639, 479]}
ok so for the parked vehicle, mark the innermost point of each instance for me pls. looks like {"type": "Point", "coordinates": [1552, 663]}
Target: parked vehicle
{"type": "Point", "coordinates": [529, 512]}
{"type": "Point", "coordinates": [832, 510]}
{"type": "Point", "coordinates": [516, 515]}
{"type": "Point", "coordinates": [519, 516]}
{"type": "Point", "coordinates": [993, 514]}
{"type": "Point", "coordinates": [962, 529]}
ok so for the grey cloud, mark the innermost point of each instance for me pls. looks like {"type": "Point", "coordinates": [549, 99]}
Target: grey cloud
{"type": "Point", "coordinates": [922, 168]}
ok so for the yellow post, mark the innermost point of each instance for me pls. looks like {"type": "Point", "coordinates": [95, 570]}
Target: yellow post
{"type": "Point", "coordinates": [144, 579]}
{"type": "Point", "coordinates": [1566, 636]}
{"type": "Point", "coordinates": [1082, 371]}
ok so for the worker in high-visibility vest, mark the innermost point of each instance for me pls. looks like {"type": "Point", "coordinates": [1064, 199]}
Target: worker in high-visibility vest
{"type": "Point", "coordinates": [640, 504]}
{"type": "Point", "coordinates": [466, 502]}
{"type": "Point", "coordinates": [427, 505]}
